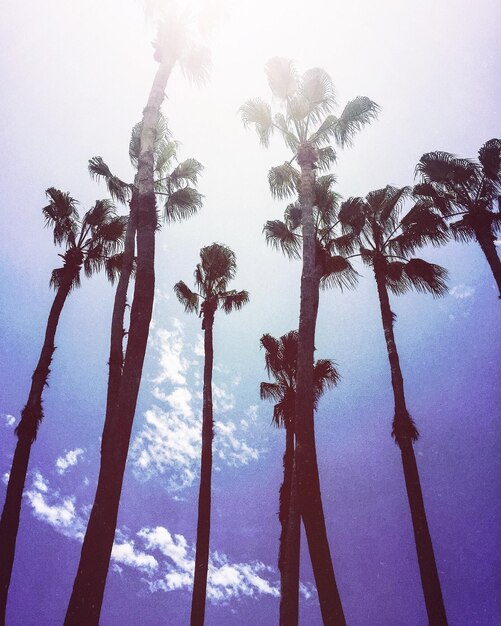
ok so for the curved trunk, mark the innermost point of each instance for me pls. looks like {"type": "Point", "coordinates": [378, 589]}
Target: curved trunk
{"type": "Point", "coordinates": [305, 456]}
{"type": "Point", "coordinates": [404, 433]}
{"type": "Point", "coordinates": [290, 520]}
{"type": "Point", "coordinates": [486, 240]}
{"type": "Point", "coordinates": [86, 599]}
{"type": "Point", "coordinates": [26, 432]}
{"type": "Point", "coordinates": [204, 496]}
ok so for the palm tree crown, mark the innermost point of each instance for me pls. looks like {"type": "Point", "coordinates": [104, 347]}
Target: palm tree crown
{"type": "Point", "coordinates": [386, 239]}
{"type": "Point", "coordinates": [216, 269]}
{"type": "Point", "coordinates": [469, 191]}
{"type": "Point", "coordinates": [93, 243]}
{"type": "Point", "coordinates": [175, 180]}
{"type": "Point", "coordinates": [281, 364]}
{"type": "Point", "coordinates": [308, 101]}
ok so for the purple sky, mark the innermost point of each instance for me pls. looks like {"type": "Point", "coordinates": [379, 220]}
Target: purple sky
{"type": "Point", "coordinates": [74, 81]}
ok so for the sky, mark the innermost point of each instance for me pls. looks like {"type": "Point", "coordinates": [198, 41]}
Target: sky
{"type": "Point", "coordinates": [75, 77]}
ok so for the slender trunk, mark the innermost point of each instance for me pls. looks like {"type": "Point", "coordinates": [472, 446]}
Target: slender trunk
{"type": "Point", "coordinates": [26, 432]}
{"type": "Point", "coordinates": [116, 359]}
{"type": "Point", "coordinates": [87, 596]}
{"type": "Point", "coordinates": [405, 433]}
{"type": "Point", "coordinates": [204, 496]}
{"type": "Point", "coordinates": [486, 240]}
{"type": "Point", "coordinates": [308, 480]}
{"type": "Point", "coordinates": [290, 538]}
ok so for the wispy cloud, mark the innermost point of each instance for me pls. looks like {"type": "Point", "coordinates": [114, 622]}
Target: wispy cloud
{"type": "Point", "coordinates": [462, 292]}
{"type": "Point", "coordinates": [165, 560]}
{"type": "Point", "coordinates": [169, 442]}
{"type": "Point", "coordinates": [68, 460]}
{"type": "Point", "coordinates": [58, 511]}
{"type": "Point", "coordinates": [226, 580]}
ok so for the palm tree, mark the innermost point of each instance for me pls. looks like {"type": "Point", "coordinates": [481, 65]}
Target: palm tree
{"type": "Point", "coordinates": [94, 243]}
{"type": "Point", "coordinates": [173, 46]}
{"type": "Point", "coordinates": [173, 186]}
{"type": "Point", "coordinates": [468, 190]}
{"type": "Point", "coordinates": [281, 364]}
{"type": "Point", "coordinates": [212, 275]}
{"type": "Point", "coordinates": [307, 125]}
{"type": "Point", "coordinates": [331, 270]}
{"type": "Point", "coordinates": [386, 240]}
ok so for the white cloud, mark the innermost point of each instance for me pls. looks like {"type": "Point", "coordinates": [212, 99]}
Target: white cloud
{"type": "Point", "coordinates": [68, 460]}
{"type": "Point", "coordinates": [5, 477]}
{"type": "Point", "coordinates": [226, 580]}
{"type": "Point", "coordinates": [169, 344]}
{"type": "Point", "coordinates": [462, 292]}
{"type": "Point", "coordinates": [126, 554]}
{"type": "Point", "coordinates": [10, 420]}
{"type": "Point", "coordinates": [58, 511]}
{"type": "Point", "coordinates": [169, 443]}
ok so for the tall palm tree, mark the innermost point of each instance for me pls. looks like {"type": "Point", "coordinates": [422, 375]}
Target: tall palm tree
{"type": "Point", "coordinates": [174, 45]}
{"type": "Point", "coordinates": [281, 364]}
{"type": "Point", "coordinates": [307, 125]}
{"type": "Point", "coordinates": [386, 241]}
{"type": "Point", "coordinates": [469, 190]}
{"type": "Point", "coordinates": [216, 269]}
{"type": "Point", "coordinates": [94, 243]}
{"type": "Point", "coordinates": [175, 187]}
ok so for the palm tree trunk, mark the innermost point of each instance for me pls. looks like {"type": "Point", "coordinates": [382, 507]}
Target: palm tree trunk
{"type": "Point", "coordinates": [26, 432]}
{"type": "Point", "coordinates": [204, 496]}
{"type": "Point", "coordinates": [404, 433]}
{"type": "Point", "coordinates": [116, 359]}
{"type": "Point", "coordinates": [306, 458]}
{"type": "Point", "coordinates": [86, 599]}
{"type": "Point", "coordinates": [486, 242]}
{"type": "Point", "coordinates": [290, 538]}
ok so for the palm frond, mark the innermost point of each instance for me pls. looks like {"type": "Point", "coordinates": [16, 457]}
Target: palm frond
{"type": "Point", "coordinates": [420, 226]}
{"type": "Point", "coordinates": [336, 270]}
{"type": "Point", "coordinates": [462, 230]}
{"type": "Point", "coordinates": [182, 204]}
{"type": "Point", "coordinates": [291, 141]}
{"type": "Point", "coordinates": [343, 244]}
{"type": "Point", "coordinates": [165, 153]}
{"type": "Point", "coordinates": [326, 157]}
{"type": "Point", "coordinates": [352, 214]}
{"type": "Point", "coordinates": [187, 171]}
{"type": "Point", "coordinates": [489, 156]}
{"type": "Point", "coordinates": [233, 300]}
{"type": "Point", "coordinates": [257, 113]}
{"type": "Point", "coordinates": [279, 236]}
{"type": "Point", "coordinates": [427, 277]}
{"type": "Point", "coordinates": [113, 266]}
{"type": "Point", "coordinates": [119, 190]}
{"type": "Point", "coordinates": [283, 181]}
{"type": "Point", "coordinates": [446, 168]}
{"type": "Point", "coordinates": [282, 77]}
{"type": "Point", "coordinates": [292, 216]}
{"type": "Point", "coordinates": [395, 277]}
{"type": "Point", "coordinates": [102, 212]}
{"type": "Point", "coordinates": [356, 114]}
{"type": "Point", "coordinates": [196, 64]}
{"type": "Point", "coordinates": [317, 89]}
{"type": "Point", "coordinates": [270, 391]}
{"type": "Point", "coordinates": [62, 216]}
{"type": "Point", "coordinates": [218, 266]}
{"type": "Point", "coordinates": [186, 297]}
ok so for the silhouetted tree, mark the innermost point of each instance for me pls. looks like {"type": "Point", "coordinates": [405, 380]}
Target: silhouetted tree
{"type": "Point", "coordinates": [175, 187]}
{"type": "Point", "coordinates": [94, 244]}
{"type": "Point", "coordinates": [281, 364]}
{"type": "Point", "coordinates": [469, 190]}
{"type": "Point", "coordinates": [307, 127]}
{"type": "Point", "coordinates": [386, 240]}
{"type": "Point", "coordinates": [172, 46]}
{"type": "Point", "coordinates": [212, 275]}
